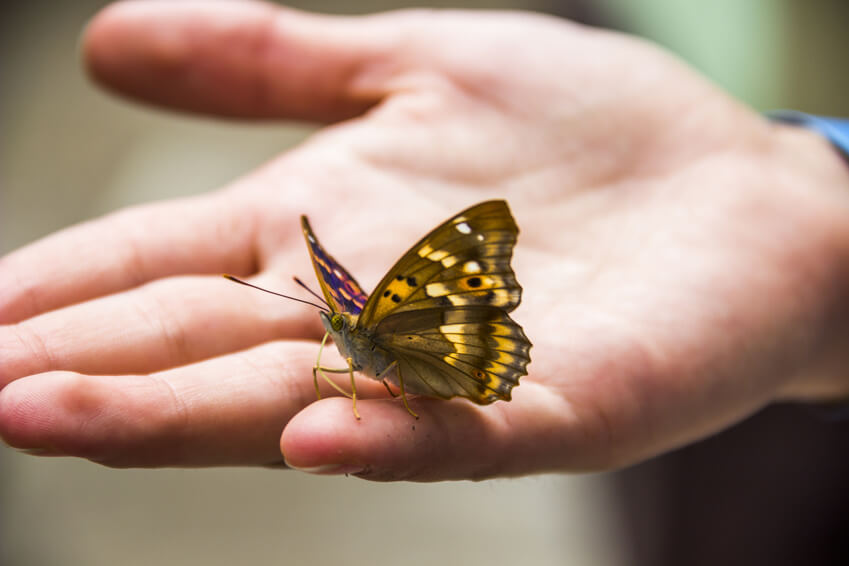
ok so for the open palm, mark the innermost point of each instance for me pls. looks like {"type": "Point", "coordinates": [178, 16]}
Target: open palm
{"type": "Point", "coordinates": [679, 255]}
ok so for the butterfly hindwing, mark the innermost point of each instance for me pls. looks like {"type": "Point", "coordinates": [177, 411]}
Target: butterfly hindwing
{"type": "Point", "coordinates": [477, 352]}
{"type": "Point", "coordinates": [340, 289]}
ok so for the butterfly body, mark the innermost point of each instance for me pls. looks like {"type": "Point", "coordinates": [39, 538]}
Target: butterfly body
{"type": "Point", "coordinates": [437, 322]}
{"type": "Point", "coordinates": [358, 346]}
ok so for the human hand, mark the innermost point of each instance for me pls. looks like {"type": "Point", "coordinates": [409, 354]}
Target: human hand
{"type": "Point", "coordinates": [683, 261]}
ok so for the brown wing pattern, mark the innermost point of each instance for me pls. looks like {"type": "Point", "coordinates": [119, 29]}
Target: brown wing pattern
{"type": "Point", "coordinates": [464, 261]}
{"type": "Point", "coordinates": [477, 352]}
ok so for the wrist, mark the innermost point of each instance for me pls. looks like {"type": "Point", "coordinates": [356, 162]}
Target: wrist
{"type": "Point", "coordinates": [820, 171]}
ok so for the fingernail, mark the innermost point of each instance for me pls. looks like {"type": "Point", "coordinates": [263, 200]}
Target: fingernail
{"type": "Point", "coordinates": [330, 469]}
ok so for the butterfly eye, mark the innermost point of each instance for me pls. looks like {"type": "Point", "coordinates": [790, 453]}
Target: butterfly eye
{"type": "Point", "coordinates": [336, 322]}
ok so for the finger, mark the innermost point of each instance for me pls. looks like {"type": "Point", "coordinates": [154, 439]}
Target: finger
{"type": "Point", "coordinates": [165, 324]}
{"type": "Point", "coordinates": [451, 439]}
{"type": "Point", "coordinates": [225, 411]}
{"type": "Point", "coordinates": [244, 59]}
{"type": "Point", "coordinates": [208, 234]}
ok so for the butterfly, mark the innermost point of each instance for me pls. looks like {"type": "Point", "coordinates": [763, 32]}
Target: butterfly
{"type": "Point", "coordinates": [437, 323]}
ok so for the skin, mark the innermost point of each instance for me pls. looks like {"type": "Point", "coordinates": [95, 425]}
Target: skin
{"type": "Point", "coordinates": [684, 261]}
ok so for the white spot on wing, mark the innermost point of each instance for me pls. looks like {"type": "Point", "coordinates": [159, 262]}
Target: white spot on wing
{"type": "Point", "coordinates": [461, 300]}
{"type": "Point", "coordinates": [436, 289]}
{"type": "Point", "coordinates": [471, 267]}
{"type": "Point", "coordinates": [464, 228]}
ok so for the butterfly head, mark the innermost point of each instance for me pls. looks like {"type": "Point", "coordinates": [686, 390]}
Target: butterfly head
{"type": "Point", "coordinates": [342, 329]}
{"type": "Point", "coordinates": [333, 321]}
{"type": "Point", "coordinates": [337, 323]}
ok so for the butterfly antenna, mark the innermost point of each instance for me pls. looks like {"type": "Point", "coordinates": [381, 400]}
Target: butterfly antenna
{"type": "Point", "coordinates": [239, 281]}
{"type": "Point", "coordinates": [310, 291]}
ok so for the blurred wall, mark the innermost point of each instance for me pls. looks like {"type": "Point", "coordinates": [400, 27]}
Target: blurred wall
{"type": "Point", "coordinates": [769, 53]}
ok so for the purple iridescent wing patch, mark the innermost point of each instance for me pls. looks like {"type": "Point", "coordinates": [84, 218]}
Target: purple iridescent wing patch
{"type": "Point", "coordinates": [341, 290]}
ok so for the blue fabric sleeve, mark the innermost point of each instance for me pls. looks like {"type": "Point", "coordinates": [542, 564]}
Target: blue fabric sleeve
{"type": "Point", "coordinates": [835, 130]}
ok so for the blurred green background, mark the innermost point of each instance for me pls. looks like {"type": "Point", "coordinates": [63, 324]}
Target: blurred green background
{"type": "Point", "coordinates": [70, 152]}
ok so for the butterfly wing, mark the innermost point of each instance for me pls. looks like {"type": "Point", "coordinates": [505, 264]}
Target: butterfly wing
{"type": "Point", "coordinates": [463, 261]}
{"type": "Point", "coordinates": [340, 289]}
{"type": "Point", "coordinates": [441, 311]}
{"type": "Point", "coordinates": [477, 352]}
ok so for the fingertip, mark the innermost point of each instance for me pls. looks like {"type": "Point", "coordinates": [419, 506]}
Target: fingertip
{"type": "Point", "coordinates": [129, 43]}
{"type": "Point", "coordinates": [235, 59]}
{"type": "Point", "coordinates": [326, 437]}
{"type": "Point", "coordinates": [311, 441]}
{"type": "Point", "coordinates": [101, 36]}
{"type": "Point", "coordinates": [23, 422]}
{"type": "Point", "coordinates": [68, 413]}
{"type": "Point", "coordinates": [10, 417]}
{"type": "Point", "coordinates": [448, 441]}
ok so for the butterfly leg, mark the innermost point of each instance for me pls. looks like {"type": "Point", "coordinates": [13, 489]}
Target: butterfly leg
{"type": "Point", "coordinates": [318, 365]}
{"type": "Point", "coordinates": [390, 367]}
{"type": "Point", "coordinates": [318, 368]}
{"type": "Point", "coordinates": [391, 393]}
{"type": "Point", "coordinates": [385, 371]}
{"type": "Point", "coordinates": [353, 388]}
{"type": "Point", "coordinates": [404, 395]}
{"type": "Point", "coordinates": [349, 370]}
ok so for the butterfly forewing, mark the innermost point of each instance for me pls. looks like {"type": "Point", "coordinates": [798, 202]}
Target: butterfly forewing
{"type": "Point", "coordinates": [340, 289]}
{"type": "Point", "coordinates": [464, 261]}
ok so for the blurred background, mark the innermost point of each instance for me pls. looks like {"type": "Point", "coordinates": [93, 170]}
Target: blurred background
{"type": "Point", "coordinates": [770, 491]}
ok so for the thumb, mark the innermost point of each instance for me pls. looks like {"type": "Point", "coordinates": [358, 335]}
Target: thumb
{"type": "Point", "coordinates": [241, 59]}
